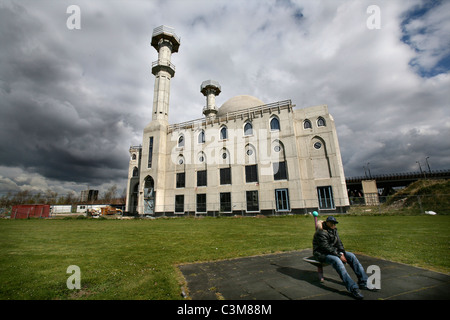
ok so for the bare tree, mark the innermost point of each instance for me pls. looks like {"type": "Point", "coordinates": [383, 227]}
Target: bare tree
{"type": "Point", "coordinates": [110, 193]}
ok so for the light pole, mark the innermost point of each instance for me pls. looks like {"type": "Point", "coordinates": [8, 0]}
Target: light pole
{"type": "Point", "coordinates": [428, 165]}
{"type": "Point", "coordinates": [420, 167]}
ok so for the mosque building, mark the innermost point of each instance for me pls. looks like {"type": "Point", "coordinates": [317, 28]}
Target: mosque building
{"type": "Point", "coordinates": [245, 157]}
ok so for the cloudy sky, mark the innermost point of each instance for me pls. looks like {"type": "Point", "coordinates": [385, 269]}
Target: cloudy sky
{"type": "Point", "coordinates": [72, 101]}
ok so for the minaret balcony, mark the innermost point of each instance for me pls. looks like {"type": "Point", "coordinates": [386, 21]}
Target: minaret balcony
{"type": "Point", "coordinates": [210, 111]}
{"type": "Point", "coordinates": [163, 65]}
{"type": "Point", "coordinates": [168, 33]}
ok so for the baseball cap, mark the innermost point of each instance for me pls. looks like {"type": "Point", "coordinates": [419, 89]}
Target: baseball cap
{"type": "Point", "coordinates": [332, 219]}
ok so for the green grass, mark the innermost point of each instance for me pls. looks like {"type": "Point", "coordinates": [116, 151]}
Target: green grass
{"type": "Point", "coordinates": [136, 259]}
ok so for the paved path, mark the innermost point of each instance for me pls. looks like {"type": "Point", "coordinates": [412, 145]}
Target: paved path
{"type": "Point", "coordinates": [285, 276]}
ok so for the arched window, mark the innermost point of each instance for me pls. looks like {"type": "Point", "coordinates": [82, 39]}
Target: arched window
{"type": "Point", "coordinates": [248, 129]}
{"type": "Point", "coordinates": [319, 144]}
{"type": "Point", "coordinates": [223, 133]}
{"type": "Point", "coordinates": [225, 167]}
{"type": "Point", "coordinates": [279, 163]}
{"type": "Point", "coordinates": [320, 159]}
{"type": "Point", "coordinates": [278, 147]}
{"type": "Point", "coordinates": [224, 154]}
{"type": "Point", "coordinates": [180, 179]}
{"type": "Point", "coordinates": [201, 137]}
{"type": "Point", "coordinates": [307, 124]}
{"type": "Point", "coordinates": [321, 122]}
{"type": "Point", "coordinates": [201, 157]}
{"type": "Point", "coordinates": [133, 157]}
{"type": "Point", "coordinates": [250, 154]}
{"type": "Point", "coordinates": [180, 159]}
{"type": "Point", "coordinates": [181, 141]}
{"type": "Point", "coordinates": [149, 195]}
{"type": "Point", "coordinates": [275, 124]}
{"type": "Point", "coordinates": [225, 157]}
{"type": "Point", "coordinates": [135, 172]}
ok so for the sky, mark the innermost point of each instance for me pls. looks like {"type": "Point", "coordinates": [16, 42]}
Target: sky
{"type": "Point", "coordinates": [73, 100]}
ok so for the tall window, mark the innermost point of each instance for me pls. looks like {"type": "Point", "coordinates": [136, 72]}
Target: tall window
{"type": "Point", "coordinates": [181, 179]}
{"type": "Point", "coordinates": [275, 124]}
{"type": "Point", "coordinates": [225, 201]}
{"type": "Point", "coordinates": [251, 173]}
{"type": "Point", "coordinates": [201, 178]}
{"type": "Point", "coordinates": [307, 124]}
{"type": "Point", "coordinates": [201, 202]}
{"type": "Point", "coordinates": [201, 137]}
{"type": "Point", "coordinates": [223, 133]}
{"type": "Point", "coordinates": [282, 199]}
{"type": "Point", "coordinates": [225, 176]}
{"type": "Point", "coordinates": [252, 201]}
{"type": "Point", "coordinates": [150, 152]}
{"type": "Point", "coordinates": [321, 122]}
{"type": "Point", "coordinates": [250, 154]}
{"type": "Point", "coordinates": [325, 197]}
{"type": "Point", "coordinates": [179, 203]}
{"type": "Point", "coordinates": [181, 141]}
{"type": "Point", "coordinates": [248, 129]}
{"type": "Point", "coordinates": [280, 170]}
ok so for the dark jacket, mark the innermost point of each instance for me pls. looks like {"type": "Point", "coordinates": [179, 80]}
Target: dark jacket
{"type": "Point", "coordinates": [326, 241]}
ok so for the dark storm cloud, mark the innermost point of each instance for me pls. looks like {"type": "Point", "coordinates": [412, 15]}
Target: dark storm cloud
{"type": "Point", "coordinates": [53, 123]}
{"type": "Point", "coordinates": [399, 152]}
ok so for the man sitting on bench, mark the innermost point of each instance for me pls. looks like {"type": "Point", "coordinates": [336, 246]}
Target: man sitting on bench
{"type": "Point", "coordinates": [328, 248]}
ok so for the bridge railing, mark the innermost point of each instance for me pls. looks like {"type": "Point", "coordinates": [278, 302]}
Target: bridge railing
{"type": "Point", "coordinates": [401, 175]}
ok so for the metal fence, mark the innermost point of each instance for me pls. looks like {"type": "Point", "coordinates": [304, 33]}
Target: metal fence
{"type": "Point", "coordinates": [373, 204]}
{"type": "Point", "coordinates": [412, 204]}
{"type": "Point", "coordinates": [370, 204]}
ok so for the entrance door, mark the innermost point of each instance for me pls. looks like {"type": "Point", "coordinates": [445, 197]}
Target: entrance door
{"type": "Point", "coordinates": [149, 196]}
{"type": "Point", "coordinates": [134, 199]}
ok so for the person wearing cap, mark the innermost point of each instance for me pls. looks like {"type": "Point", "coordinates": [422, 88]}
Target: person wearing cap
{"type": "Point", "coordinates": [328, 248]}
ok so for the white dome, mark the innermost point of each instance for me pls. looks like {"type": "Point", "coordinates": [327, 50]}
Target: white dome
{"type": "Point", "coordinates": [239, 103]}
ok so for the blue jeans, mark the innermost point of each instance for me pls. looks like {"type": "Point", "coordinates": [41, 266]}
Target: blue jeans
{"type": "Point", "coordinates": [353, 262]}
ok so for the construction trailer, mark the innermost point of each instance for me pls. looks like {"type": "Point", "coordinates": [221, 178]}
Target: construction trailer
{"type": "Point", "coordinates": [84, 208]}
{"type": "Point", "coordinates": [109, 210]}
{"type": "Point", "coordinates": [25, 211]}
{"type": "Point", "coordinates": [57, 208]}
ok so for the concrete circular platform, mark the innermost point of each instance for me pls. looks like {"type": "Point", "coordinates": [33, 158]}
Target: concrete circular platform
{"type": "Point", "coordinates": [286, 276]}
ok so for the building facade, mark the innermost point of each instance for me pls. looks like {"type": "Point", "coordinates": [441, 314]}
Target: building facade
{"type": "Point", "coordinates": [245, 157]}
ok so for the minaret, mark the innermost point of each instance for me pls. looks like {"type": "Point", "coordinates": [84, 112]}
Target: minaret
{"type": "Point", "coordinates": [166, 42]}
{"type": "Point", "coordinates": [152, 170]}
{"type": "Point", "coordinates": [210, 90]}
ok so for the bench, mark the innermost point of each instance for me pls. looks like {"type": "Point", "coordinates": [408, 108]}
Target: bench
{"type": "Point", "coordinates": [312, 260]}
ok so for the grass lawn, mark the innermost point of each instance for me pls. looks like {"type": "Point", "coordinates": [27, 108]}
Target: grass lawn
{"type": "Point", "coordinates": [136, 259]}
